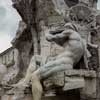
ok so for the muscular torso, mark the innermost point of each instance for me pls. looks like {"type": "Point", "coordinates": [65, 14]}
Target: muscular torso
{"type": "Point", "coordinates": [73, 48]}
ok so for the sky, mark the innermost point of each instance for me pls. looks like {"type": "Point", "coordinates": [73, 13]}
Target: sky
{"type": "Point", "coordinates": [98, 5]}
{"type": "Point", "coordinates": [9, 19]}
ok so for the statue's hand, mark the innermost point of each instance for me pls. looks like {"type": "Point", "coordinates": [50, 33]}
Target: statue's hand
{"type": "Point", "coordinates": [20, 85]}
{"type": "Point", "coordinates": [93, 45]}
{"type": "Point", "coordinates": [49, 37]}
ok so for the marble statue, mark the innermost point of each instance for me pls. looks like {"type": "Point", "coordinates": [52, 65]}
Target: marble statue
{"type": "Point", "coordinates": [51, 39]}
{"type": "Point", "coordinates": [74, 49]}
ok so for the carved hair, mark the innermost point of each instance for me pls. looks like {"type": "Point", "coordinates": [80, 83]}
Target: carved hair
{"type": "Point", "coordinates": [71, 26]}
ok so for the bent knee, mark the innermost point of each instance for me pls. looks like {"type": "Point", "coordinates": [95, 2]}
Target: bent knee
{"type": "Point", "coordinates": [32, 68]}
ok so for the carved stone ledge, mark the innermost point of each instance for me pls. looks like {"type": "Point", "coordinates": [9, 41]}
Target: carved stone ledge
{"type": "Point", "coordinates": [74, 83]}
{"type": "Point", "coordinates": [82, 80]}
{"type": "Point", "coordinates": [81, 72]}
{"type": "Point", "coordinates": [56, 80]}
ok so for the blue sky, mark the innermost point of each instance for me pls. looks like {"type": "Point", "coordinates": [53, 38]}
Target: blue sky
{"type": "Point", "coordinates": [9, 19]}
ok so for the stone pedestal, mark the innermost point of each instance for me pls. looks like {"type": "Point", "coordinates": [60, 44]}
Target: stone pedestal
{"type": "Point", "coordinates": [78, 84]}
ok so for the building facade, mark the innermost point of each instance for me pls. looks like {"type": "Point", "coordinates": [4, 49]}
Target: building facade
{"type": "Point", "coordinates": [8, 57]}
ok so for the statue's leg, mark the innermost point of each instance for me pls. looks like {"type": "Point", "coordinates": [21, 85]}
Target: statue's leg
{"type": "Point", "coordinates": [64, 63]}
{"type": "Point", "coordinates": [46, 71]}
{"type": "Point", "coordinates": [30, 70]}
{"type": "Point", "coordinates": [36, 86]}
{"type": "Point", "coordinates": [25, 81]}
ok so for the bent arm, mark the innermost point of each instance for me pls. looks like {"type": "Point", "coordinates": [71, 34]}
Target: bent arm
{"type": "Point", "coordinates": [93, 45]}
{"type": "Point", "coordinates": [63, 34]}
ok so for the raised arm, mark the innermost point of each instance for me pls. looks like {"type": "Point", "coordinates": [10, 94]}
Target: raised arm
{"type": "Point", "coordinates": [51, 37]}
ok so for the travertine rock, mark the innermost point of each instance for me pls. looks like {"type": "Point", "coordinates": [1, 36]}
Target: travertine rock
{"type": "Point", "coordinates": [30, 39]}
{"type": "Point", "coordinates": [3, 71]}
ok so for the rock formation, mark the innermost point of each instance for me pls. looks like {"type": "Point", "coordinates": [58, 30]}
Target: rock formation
{"type": "Point", "coordinates": [39, 16]}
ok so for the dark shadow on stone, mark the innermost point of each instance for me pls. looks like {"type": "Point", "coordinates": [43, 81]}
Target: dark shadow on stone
{"type": "Point", "coordinates": [71, 3]}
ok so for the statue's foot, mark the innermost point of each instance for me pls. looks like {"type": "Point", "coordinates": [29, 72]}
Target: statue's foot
{"type": "Point", "coordinates": [18, 88]}
{"type": "Point", "coordinates": [20, 85]}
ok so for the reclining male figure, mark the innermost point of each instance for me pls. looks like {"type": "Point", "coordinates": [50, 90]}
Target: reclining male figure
{"type": "Point", "coordinates": [72, 43]}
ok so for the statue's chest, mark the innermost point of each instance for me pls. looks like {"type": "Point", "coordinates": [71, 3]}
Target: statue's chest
{"type": "Point", "coordinates": [56, 49]}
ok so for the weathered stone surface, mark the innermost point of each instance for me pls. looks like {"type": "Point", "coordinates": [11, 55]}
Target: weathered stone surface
{"type": "Point", "coordinates": [81, 72]}
{"type": "Point", "coordinates": [56, 80]}
{"type": "Point", "coordinates": [3, 71]}
{"type": "Point", "coordinates": [74, 83]}
{"type": "Point", "coordinates": [90, 89]}
{"type": "Point", "coordinates": [30, 41]}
